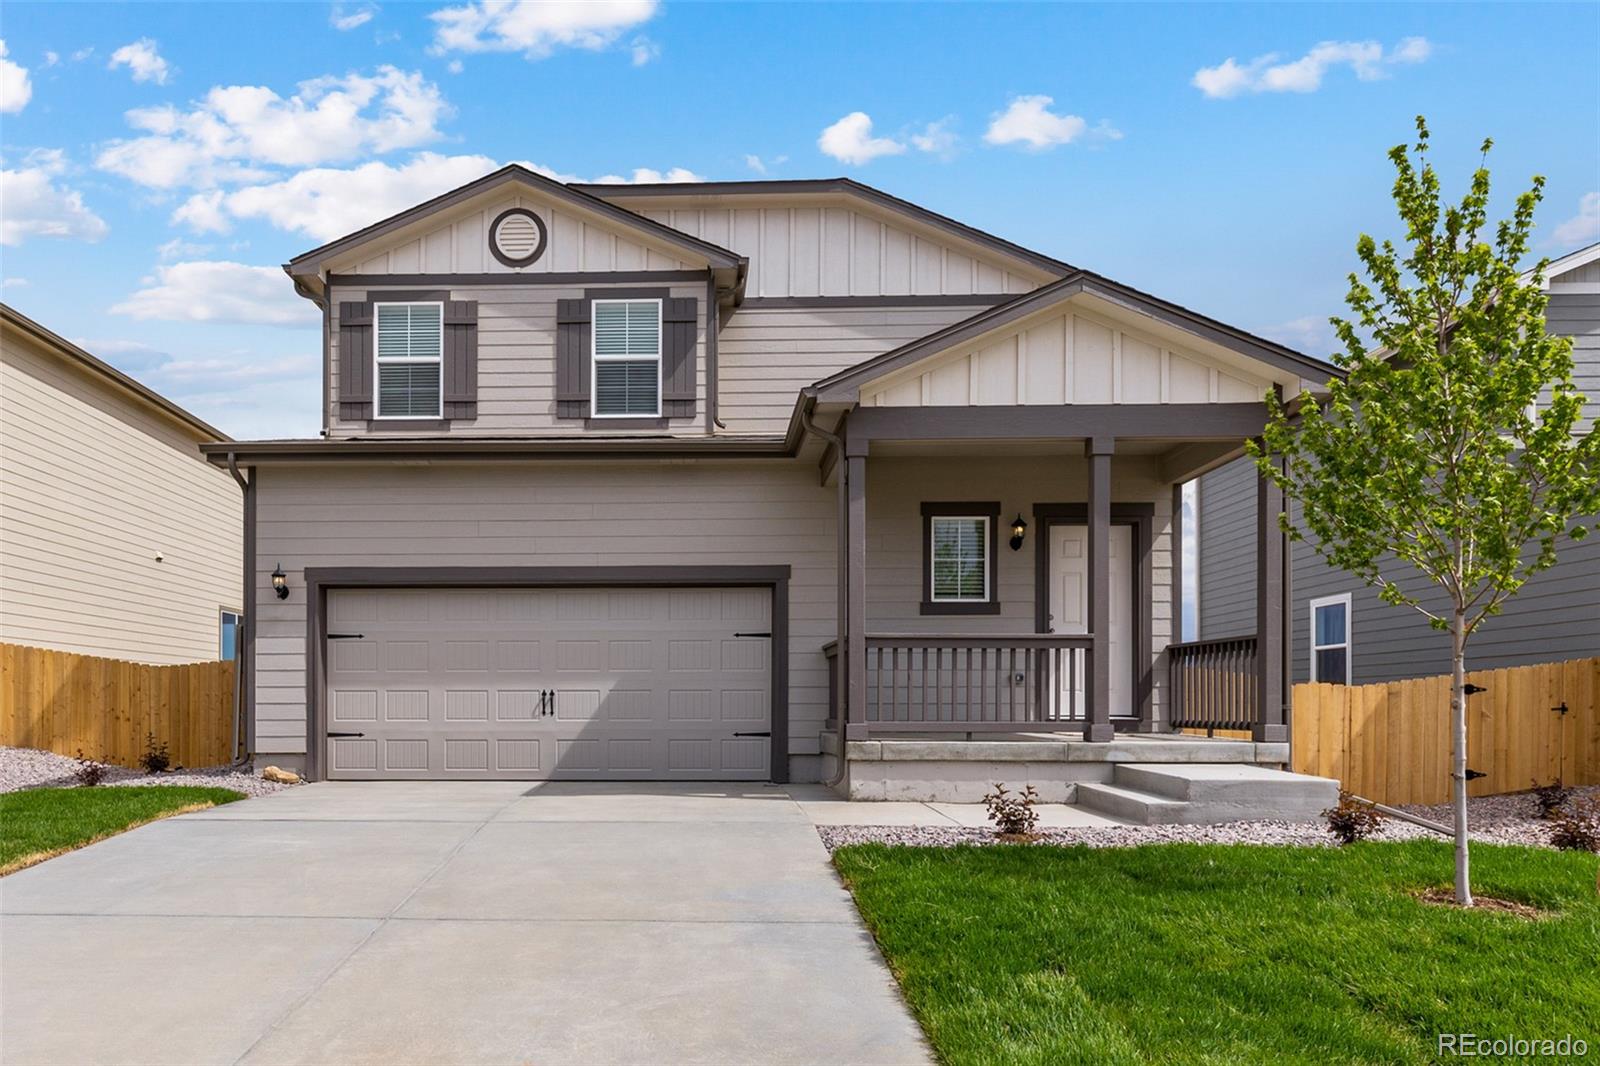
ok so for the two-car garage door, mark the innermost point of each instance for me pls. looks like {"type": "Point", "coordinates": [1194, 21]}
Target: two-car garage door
{"type": "Point", "coordinates": [534, 683]}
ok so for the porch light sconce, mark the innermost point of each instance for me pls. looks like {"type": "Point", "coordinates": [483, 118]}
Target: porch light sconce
{"type": "Point", "coordinates": [1019, 529]}
{"type": "Point", "coordinates": [280, 583]}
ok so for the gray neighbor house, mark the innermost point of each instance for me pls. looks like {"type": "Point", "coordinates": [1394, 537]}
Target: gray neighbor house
{"type": "Point", "coordinates": [765, 481]}
{"type": "Point", "coordinates": [1341, 631]}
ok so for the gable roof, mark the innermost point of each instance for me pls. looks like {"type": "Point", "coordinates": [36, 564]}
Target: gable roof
{"type": "Point", "coordinates": [839, 186]}
{"type": "Point", "coordinates": [848, 381]}
{"type": "Point", "coordinates": [1571, 261]}
{"type": "Point", "coordinates": [105, 373]}
{"type": "Point", "coordinates": [309, 263]}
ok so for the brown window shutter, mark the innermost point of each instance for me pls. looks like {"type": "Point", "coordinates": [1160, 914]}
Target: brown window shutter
{"type": "Point", "coordinates": [355, 361]}
{"type": "Point", "coordinates": [572, 358]}
{"type": "Point", "coordinates": [678, 329]}
{"type": "Point", "coordinates": [461, 359]}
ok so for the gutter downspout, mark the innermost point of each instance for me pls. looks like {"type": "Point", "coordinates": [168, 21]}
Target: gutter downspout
{"type": "Point", "coordinates": [241, 639]}
{"type": "Point", "coordinates": [810, 426]}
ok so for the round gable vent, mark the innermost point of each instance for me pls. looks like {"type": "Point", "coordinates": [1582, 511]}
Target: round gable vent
{"type": "Point", "coordinates": [517, 237]}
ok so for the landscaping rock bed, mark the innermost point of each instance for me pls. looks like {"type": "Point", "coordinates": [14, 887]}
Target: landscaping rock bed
{"type": "Point", "coordinates": [1510, 819]}
{"type": "Point", "coordinates": [22, 768]}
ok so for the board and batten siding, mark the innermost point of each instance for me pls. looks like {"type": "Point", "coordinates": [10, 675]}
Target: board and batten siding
{"type": "Point", "coordinates": [815, 250]}
{"type": "Point", "coordinates": [766, 355]}
{"type": "Point", "coordinates": [93, 485]}
{"type": "Point", "coordinates": [516, 360]}
{"type": "Point", "coordinates": [1063, 358]}
{"type": "Point", "coordinates": [458, 243]}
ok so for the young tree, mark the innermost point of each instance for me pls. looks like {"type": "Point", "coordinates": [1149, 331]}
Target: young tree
{"type": "Point", "coordinates": [1431, 450]}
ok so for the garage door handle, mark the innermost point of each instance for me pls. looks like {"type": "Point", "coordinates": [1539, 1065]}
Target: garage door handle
{"type": "Point", "coordinates": [767, 733]}
{"type": "Point", "coordinates": [346, 636]}
{"type": "Point", "coordinates": [752, 634]}
{"type": "Point", "coordinates": [331, 734]}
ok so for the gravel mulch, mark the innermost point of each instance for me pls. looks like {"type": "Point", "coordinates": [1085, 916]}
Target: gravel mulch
{"type": "Point", "coordinates": [22, 768]}
{"type": "Point", "coordinates": [1510, 819]}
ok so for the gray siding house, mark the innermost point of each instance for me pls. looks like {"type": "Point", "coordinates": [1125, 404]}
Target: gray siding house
{"type": "Point", "coordinates": [1359, 638]}
{"type": "Point", "coordinates": [744, 480]}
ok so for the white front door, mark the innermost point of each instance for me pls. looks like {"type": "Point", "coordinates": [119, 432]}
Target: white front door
{"type": "Point", "coordinates": [1069, 606]}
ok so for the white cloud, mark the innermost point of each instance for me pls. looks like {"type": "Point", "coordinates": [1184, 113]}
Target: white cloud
{"type": "Point", "coordinates": [1029, 121]}
{"type": "Point", "coordinates": [51, 58]}
{"type": "Point", "coordinates": [455, 66]}
{"type": "Point", "coordinates": [142, 60]}
{"type": "Point", "coordinates": [178, 248]}
{"type": "Point", "coordinates": [1266, 74]}
{"type": "Point", "coordinates": [937, 138]}
{"type": "Point", "coordinates": [1582, 228]}
{"type": "Point", "coordinates": [850, 140]}
{"type": "Point", "coordinates": [14, 283]}
{"type": "Point", "coordinates": [15, 88]}
{"type": "Point", "coordinates": [342, 19]}
{"type": "Point", "coordinates": [235, 129]}
{"type": "Point", "coordinates": [203, 212]}
{"type": "Point", "coordinates": [643, 50]}
{"type": "Point", "coordinates": [35, 205]}
{"type": "Point", "coordinates": [648, 176]}
{"type": "Point", "coordinates": [761, 166]}
{"type": "Point", "coordinates": [212, 291]}
{"type": "Point", "coordinates": [1309, 334]}
{"type": "Point", "coordinates": [83, 53]}
{"type": "Point", "coordinates": [536, 28]}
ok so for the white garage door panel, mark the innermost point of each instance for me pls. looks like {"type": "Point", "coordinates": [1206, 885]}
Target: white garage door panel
{"type": "Point", "coordinates": [622, 684]}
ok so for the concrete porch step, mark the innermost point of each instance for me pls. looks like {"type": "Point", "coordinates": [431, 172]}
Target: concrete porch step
{"type": "Point", "coordinates": [1131, 804]}
{"type": "Point", "coordinates": [1209, 793]}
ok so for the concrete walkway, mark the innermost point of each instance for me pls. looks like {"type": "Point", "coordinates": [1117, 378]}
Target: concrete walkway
{"type": "Point", "coordinates": [451, 922]}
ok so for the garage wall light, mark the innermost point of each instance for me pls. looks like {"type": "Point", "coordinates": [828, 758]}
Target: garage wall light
{"type": "Point", "coordinates": [1019, 529]}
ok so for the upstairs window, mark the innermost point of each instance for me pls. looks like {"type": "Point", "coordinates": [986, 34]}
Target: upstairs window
{"type": "Point", "coordinates": [410, 360]}
{"type": "Point", "coordinates": [627, 358]}
{"type": "Point", "coordinates": [1330, 639]}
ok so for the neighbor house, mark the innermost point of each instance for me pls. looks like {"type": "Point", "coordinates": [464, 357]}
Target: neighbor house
{"type": "Point", "coordinates": [1343, 632]}
{"type": "Point", "coordinates": [727, 480]}
{"type": "Point", "coordinates": [117, 538]}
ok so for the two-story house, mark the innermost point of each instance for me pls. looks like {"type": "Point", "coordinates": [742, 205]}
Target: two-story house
{"type": "Point", "coordinates": [725, 480]}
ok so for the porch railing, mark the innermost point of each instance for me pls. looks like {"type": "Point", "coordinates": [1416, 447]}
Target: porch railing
{"type": "Point", "coordinates": [969, 684]}
{"type": "Point", "coordinates": [1213, 683]}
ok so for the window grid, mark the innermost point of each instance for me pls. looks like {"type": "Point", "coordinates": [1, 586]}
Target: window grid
{"type": "Point", "coordinates": [409, 358]}
{"type": "Point", "coordinates": [1330, 643]}
{"type": "Point", "coordinates": [627, 358]}
{"type": "Point", "coordinates": [960, 558]}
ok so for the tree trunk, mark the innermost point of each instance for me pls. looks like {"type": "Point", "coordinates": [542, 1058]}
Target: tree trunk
{"type": "Point", "coordinates": [1458, 752]}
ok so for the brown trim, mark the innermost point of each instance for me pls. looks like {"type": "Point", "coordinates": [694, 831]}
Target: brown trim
{"type": "Point", "coordinates": [472, 449]}
{"type": "Point", "coordinates": [247, 642]}
{"type": "Point", "coordinates": [1141, 516]}
{"type": "Point", "coordinates": [319, 580]}
{"type": "Point", "coordinates": [651, 293]}
{"type": "Point", "coordinates": [1168, 421]}
{"type": "Point", "coordinates": [406, 296]}
{"type": "Point", "coordinates": [406, 425]}
{"type": "Point", "coordinates": [713, 327]}
{"type": "Point", "coordinates": [1176, 535]}
{"type": "Point", "coordinates": [982, 299]}
{"type": "Point", "coordinates": [961, 509]}
{"type": "Point", "coordinates": [571, 277]}
{"type": "Point", "coordinates": [15, 319]}
{"type": "Point", "coordinates": [309, 262]}
{"type": "Point", "coordinates": [624, 422]}
{"type": "Point", "coordinates": [538, 223]}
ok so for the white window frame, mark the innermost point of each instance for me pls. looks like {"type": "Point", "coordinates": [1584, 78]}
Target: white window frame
{"type": "Point", "coordinates": [238, 627]}
{"type": "Point", "coordinates": [377, 389]}
{"type": "Point", "coordinates": [595, 357]}
{"type": "Point", "coordinates": [983, 546]}
{"type": "Point", "coordinates": [1349, 643]}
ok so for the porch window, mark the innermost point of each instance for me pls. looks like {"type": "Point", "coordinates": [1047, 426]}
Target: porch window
{"type": "Point", "coordinates": [1330, 639]}
{"type": "Point", "coordinates": [410, 360]}
{"type": "Point", "coordinates": [627, 358]}
{"type": "Point", "coordinates": [959, 558]}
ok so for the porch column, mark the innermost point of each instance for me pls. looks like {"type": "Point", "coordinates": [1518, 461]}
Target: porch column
{"type": "Point", "coordinates": [1097, 722]}
{"type": "Point", "coordinates": [1270, 723]}
{"type": "Point", "coordinates": [855, 564]}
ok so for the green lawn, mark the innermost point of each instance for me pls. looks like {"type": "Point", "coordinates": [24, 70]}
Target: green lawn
{"type": "Point", "coordinates": [1217, 954]}
{"type": "Point", "coordinates": [38, 823]}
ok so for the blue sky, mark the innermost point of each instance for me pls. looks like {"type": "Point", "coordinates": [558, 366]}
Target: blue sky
{"type": "Point", "coordinates": [161, 160]}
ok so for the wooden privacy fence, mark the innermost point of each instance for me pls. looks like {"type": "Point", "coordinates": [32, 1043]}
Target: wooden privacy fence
{"type": "Point", "coordinates": [61, 702]}
{"type": "Point", "coordinates": [1391, 742]}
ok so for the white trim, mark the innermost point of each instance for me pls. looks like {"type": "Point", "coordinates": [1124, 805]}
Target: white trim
{"type": "Point", "coordinates": [238, 627]}
{"type": "Point", "coordinates": [1348, 644]}
{"type": "Point", "coordinates": [377, 378]}
{"type": "Point", "coordinates": [595, 356]}
{"type": "Point", "coordinates": [1571, 261]}
{"type": "Point", "coordinates": [983, 546]}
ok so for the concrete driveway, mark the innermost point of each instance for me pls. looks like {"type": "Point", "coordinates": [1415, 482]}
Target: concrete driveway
{"type": "Point", "coordinates": [447, 922]}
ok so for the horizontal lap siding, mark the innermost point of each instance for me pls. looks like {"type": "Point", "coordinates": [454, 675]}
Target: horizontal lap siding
{"type": "Point", "coordinates": [1577, 315]}
{"type": "Point", "coordinates": [765, 356]}
{"type": "Point", "coordinates": [92, 487]}
{"type": "Point", "coordinates": [516, 371]}
{"type": "Point", "coordinates": [1227, 551]}
{"type": "Point", "coordinates": [544, 515]}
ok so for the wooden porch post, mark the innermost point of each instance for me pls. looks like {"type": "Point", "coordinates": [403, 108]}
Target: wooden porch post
{"type": "Point", "coordinates": [1097, 722]}
{"type": "Point", "coordinates": [854, 643]}
{"type": "Point", "coordinates": [1270, 723]}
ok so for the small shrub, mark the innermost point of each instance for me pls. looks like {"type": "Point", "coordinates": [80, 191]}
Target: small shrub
{"type": "Point", "coordinates": [89, 773]}
{"type": "Point", "coordinates": [155, 758]}
{"type": "Point", "coordinates": [1550, 798]}
{"type": "Point", "coordinates": [1352, 820]}
{"type": "Point", "coordinates": [1012, 812]}
{"type": "Point", "coordinates": [1577, 826]}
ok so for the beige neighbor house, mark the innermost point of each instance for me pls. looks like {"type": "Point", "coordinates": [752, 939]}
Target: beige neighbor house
{"type": "Point", "coordinates": [117, 538]}
{"type": "Point", "coordinates": [729, 480]}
